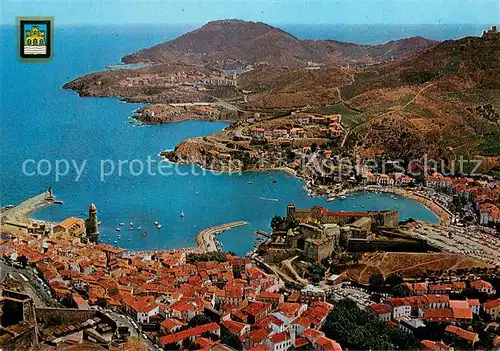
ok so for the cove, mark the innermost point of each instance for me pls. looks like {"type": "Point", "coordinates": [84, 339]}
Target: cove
{"type": "Point", "coordinates": [42, 121]}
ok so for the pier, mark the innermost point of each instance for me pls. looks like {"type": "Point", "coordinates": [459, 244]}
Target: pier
{"type": "Point", "coordinates": [206, 238]}
{"type": "Point", "coordinates": [15, 220]}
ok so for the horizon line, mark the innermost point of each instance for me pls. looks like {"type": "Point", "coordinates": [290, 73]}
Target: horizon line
{"type": "Point", "coordinates": [268, 23]}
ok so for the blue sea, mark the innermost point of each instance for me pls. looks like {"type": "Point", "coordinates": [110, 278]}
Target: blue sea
{"type": "Point", "coordinates": [39, 120]}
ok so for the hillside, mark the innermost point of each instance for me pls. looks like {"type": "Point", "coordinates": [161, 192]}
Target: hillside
{"type": "Point", "coordinates": [429, 102]}
{"type": "Point", "coordinates": [236, 43]}
{"type": "Point", "coordinates": [410, 265]}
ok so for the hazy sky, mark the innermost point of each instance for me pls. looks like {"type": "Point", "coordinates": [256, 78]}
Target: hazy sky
{"type": "Point", "coordinates": [274, 12]}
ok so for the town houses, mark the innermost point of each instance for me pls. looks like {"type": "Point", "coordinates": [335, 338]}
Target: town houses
{"type": "Point", "coordinates": [176, 298]}
{"type": "Point", "coordinates": [301, 126]}
{"type": "Point", "coordinates": [435, 305]}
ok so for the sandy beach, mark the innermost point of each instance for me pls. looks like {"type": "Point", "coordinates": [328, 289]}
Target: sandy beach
{"type": "Point", "coordinates": [442, 213]}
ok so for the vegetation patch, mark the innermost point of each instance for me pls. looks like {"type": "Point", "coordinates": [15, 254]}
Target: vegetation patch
{"type": "Point", "coordinates": [356, 329]}
{"type": "Point", "coordinates": [491, 145]}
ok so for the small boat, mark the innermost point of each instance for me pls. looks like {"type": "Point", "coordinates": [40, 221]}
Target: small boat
{"type": "Point", "coordinates": [139, 228]}
{"type": "Point", "coordinates": [58, 202]}
{"type": "Point", "coordinates": [131, 224]}
{"type": "Point", "coordinates": [155, 222]}
{"type": "Point", "coordinates": [274, 181]}
{"type": "Point", "coordinates": [250, 182]}
{"type": "Point", "coordinates": [144, 234]}
{"type": "Point", "coordinates": [158, 226]}
{"type": "Point", "coordinates": [130, 229]}
{"type": "Point", "coordinates": [196, 193]}
{"type": "Point", "coordinates": [182, 214]}
{"type": "Point", "coordinates": [129, 239]}
{"type": "Point", "coordinates": [122, 224]}
{"type": "Point", "coordinates": [116, 242]}
{"type": "Point", "coordinates": [117, 229]}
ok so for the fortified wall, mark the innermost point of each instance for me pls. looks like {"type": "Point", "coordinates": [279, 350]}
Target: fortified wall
{"type": "Point", "coordinates": [323, 216]}
{"type": "Point", "coordinates": [315, 233]}
{"type": "Point", "coordinates": [18, 321]}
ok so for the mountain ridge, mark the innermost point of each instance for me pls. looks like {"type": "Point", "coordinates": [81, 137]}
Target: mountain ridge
{"type": "Point", "coordinates": [233, 41]}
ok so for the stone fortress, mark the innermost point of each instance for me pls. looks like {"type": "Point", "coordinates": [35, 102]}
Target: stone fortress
{"type": "Point", "coordinates": [315, 234]}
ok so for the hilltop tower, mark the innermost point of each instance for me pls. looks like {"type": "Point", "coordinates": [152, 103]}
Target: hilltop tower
{"type": "Point", "coordinates": [91, 225]}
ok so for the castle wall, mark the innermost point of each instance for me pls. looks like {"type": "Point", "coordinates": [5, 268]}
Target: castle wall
{"type": "Point", "coordinates": [25, 341]}
{"type": "Point", "coordinates": [274, 255]}
{"type": "Point", "coordinates": [315, 251]}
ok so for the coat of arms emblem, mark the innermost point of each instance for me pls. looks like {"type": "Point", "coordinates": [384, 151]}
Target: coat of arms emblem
{"type": "Point", "coordinates": [35, 38]}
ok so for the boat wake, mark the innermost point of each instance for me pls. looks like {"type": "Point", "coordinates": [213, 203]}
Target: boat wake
{"type": "Point", "coordinates": [268, 199]}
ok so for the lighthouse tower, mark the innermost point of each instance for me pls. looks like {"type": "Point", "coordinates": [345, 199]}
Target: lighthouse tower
{"type": "Point", "coordinates": [91, 226]}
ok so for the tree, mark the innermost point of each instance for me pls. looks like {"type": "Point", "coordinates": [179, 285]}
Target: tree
{"type": "Point", "coordinates": [356, 329]}
{"type": "Point", "coordinates": [211, 336]}
{"type": "Point", "coordinates": [314, 147]}
{"type": "Point", "coordinates": [187, 344]}
{"type": "Point", "coordinates": [393, 280]}
{"type": "Point", "coordinates": [23, 260]}
{"type": "Point", "coordinates": [376, 281]}
{"type": "Point", "coordinates": [278, 223]}
{"type": "Point", "coordinates": [172, 346]}
{"type": "Point", "coordinates": [228, 338]}
{"type": "Point", "coordinates": [401, 290]}
{"type": "Point", "coordinates": [197, 320]}
{"type": "Point", "coordinates": [237, 272]}
{"type": "Point", "coordinates": [356, 257]}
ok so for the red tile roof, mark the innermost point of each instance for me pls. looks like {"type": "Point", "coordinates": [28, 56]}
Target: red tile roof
{"type": "Point", "coordinates": [478, 284]}
{"type": "Point", "coordinates": [435, 298]}
{"type": "Point", "coordinates": [380, 308]}
{"type": "Point", "coordinates": [491, 304]}
{"type": "Point", "coordinates": [461, 333]}
{"type": "Point", "coordinates": [434, 345]}
{"type": "Point", "coordinates": [328, 344]}
{"type": "Point", "coordinates": [301, 342]}
{"type": "Point", "coordinates": [279, 338]}
{"type": "Point", "coordinates": [234, 327]}
{"type": "Point", "coordinates": [438, 314]}
{"type": "Point", "coordinates": [196, 331]}
{"type": "Point", "coordinates": [256, 336]}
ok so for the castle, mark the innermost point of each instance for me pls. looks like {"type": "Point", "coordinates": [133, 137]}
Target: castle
{"type": "Point", "coordinates": [491, 33]}
{"type": "Point", "coordinates": [34, 37]}
{"type": "Point", "coordinates": [315, 233]}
